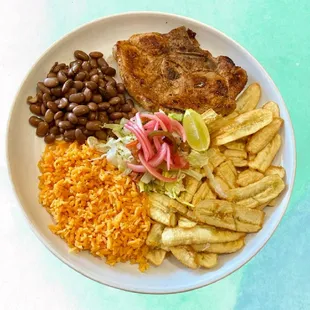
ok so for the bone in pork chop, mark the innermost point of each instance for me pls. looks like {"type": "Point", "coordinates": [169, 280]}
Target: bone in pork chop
{"type": "Point", "coordinates": [171, 72]}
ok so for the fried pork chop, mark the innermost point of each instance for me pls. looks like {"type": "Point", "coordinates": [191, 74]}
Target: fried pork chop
{"type": "Point", "coordinates": [171, 72]}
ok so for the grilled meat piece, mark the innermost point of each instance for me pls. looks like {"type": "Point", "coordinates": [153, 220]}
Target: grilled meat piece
{"type": "Point", "coordinates": [171, 72]}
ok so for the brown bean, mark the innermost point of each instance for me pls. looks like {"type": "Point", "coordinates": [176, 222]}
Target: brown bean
{"type": "Point", "coordinates": [103, 117]}
{"type": "Point", "coordinates": [102, 63]}
{"type": "Point", "coordinates": [102, 83]}
{"type": "Point", "coordinates": [91, 85]}
{"type": "Point", "coordinates": [97, 98]}
{"type": "Point", "coordinates": [120, 88]}
{"type": "Point", "coordinates": [81, 55]}
{"type": "Point", "coordinates": [101, 134]}
{"type": "Point", "coordinates": [32, 100]}
{"type": "Point", "coordinates": [51, 74]}
{"type": "Point", "coordinates": [92, 116]}
{"type": "Point", "coordinates": [70, 92]}
{"type": "Point", "coordinates": [42, 129]}
{"type": "Point", "coordinates": [80, 137]}
{"type": "Point", "coordinates": [43, 88]}
{"type": "Point", "coordinates": [68, 84]}
{"type": "Point", "coordinates": [122, 98]}
{"type": "Point", "coordinates": [126, 108]}
{"type": "Point", "coordinates": [95, 54]}
{"type": "Point", "coordinates": [88, 133]}
{"type": "Point", "coordinates": [111, 90]}
{"type": "Point", "coordinates": [71, 73]}
{"type": "Point", "coordinates": [65, 118]}
{"type": "Point", "coordinates": [130, 115]}
{"type": "Point", "coordinates": [87, 94]}
{"type": "Point", "coordinates": [65, 125]}
{"type": "Point", "coordinates": [54, 130]}
{"type": "Point", "coordinates": [34, 121]}
{"type": "Point", "coordinates": [51, 82]}
{"type": "Point", "coordinates": [82, 120]}
{"type": "Point", "coordinates": [125, 115]}
{"type": "Point", "coordinates": [93, 125]}
{"type": "Point", "coordinates": [86, 66]}
{"type": "Point", "coordinates": [52, 106]}
{"type": "Point", "coordinates": [110, 110]}
{"type": "Point", "coordinates": [94, 77]}
{"type": "Point", "coordinates": [39, 95]}
{"type": "Point", "coordinates": [93, 63]}
{"type": "Point", "coordinates": [71, 106]}
{"type": "Point", "coordinates": [104, 93]}
{"type": "Point", "coordinates": [61, 76]}
{"type": "Point", "coordinates": [80, 76]}
{"type": "Point", "coordinates": [56, 91]}
{"type": "Point", "coordinates": [93, 71]}
{"type": "Point", "coordinates": [92, 106]}
{"type": "Point", "coordinates": [103, 106]}
{"type": "Point", "coordinates": [130, 102]}
{"type": "Point", "coordinates": [43, 109]}
{"type": "Point", "coordinates": [117, 107]}
{"type": "Point", "coordinates": [76, 67]}
{"type": "Point", "coordinates": [70, 134]}
{"type": "Point", "coordinates": [110, 71]}
{"type": "Point", "coordinates": [77, 98]}
{"type": "Point", "coordinates": [35, 109]}
{"type": "Point", "coordinates": [81, 110]}
{"type": "Point", "coordinates": [115, 100]}
{"type": "Point", "coordinates": [72, 118]}
{"type": "Point", "coordinates": [110, 80]}
{"type": "Point", "coordinates": [78, 85]}
{"type": "Point", "coordinates": [46, 97]}
{"type": "Point", "coordinates": [58, 115]}
{"type": "Point", "coordinates": [63, 103]}
{"type": "Point", "coordinates": [49, 116]}
{"type": "Point", "coordinates": [116, 115]}
{"type": "Point", "coordinates": [48, 139]}
{"type": "Point", "coordinates": [58, 67]}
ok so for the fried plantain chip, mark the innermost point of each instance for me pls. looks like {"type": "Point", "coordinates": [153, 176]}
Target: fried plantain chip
{"type": "Point", "coordinates": [154, 237]}
{"type": "Point", "coordinates": [215, 158]}
{"type": "Point", "coordinates": [169, 204]}
{"type": "Point", "coordinates": [236, 153]}
{"type": "Point", "coordinates": [228, 173]}
{"type": "Point", "coordinates": [248, 176]}
{"type": "Point", "coordinates": [263, 190]}
{"type": "Point", "coordinates": [191, 186]}
{"type": "Point", "coordinates": [236, 145]}
{"type": "Point", "coordinates": [243, 125]}
{"type": "Point", "coordinates": [197, 235]}
{"type": "Point", "coordinates": [156, 256]}
{"type": "Point", "coordinates": [225, 214]}
{"type": "Point", "coordinates": [186, 255]}
{"type": "Point", "coordinates": [158, 215]}
{"type": "Point", "coordinates": [216, 183]}
{"type": "Point", "coordinates": [221, 122]}
{"type": "Point", "coordinates": [280, 171]}
{"type": "Point", "coordinates": [203, 192]}
{"type": "Point", "coordinates": [220, 248]}
{"type": "Point", "coordinates": [239, 162]}
{"type": "Point", "coordinates": [273, 107]}
{"type": "Point", "coordinates": [186, 223]}
{"type": "Point", "coordinates": [249, 99]}
{"type": "Point", "coordinates": [265, 157]}
{"type": "Point", "coordinates": [210, 116]}
{"type": "Point", "coordinates": [261, 138]}
{"type": "Point", "coordinates": [206, 260]}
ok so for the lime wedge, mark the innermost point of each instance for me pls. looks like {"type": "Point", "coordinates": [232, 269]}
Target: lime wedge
{"type": "Point", "coordinates": [197, 133]}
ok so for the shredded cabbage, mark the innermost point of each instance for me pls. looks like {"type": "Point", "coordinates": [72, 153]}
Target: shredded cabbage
{"type": "Point", "coordinates": [197, 159]}
{"type": "Point", "coordinates": [177, 116]}
{"type": "Point", "coordinates": [193, 173]}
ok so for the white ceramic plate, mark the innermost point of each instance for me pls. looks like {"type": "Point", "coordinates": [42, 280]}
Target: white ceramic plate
{"type": "Point", "coordinates": [24, 149]}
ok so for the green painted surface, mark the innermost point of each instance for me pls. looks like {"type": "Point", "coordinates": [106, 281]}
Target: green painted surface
{"type": "Point", "coordinates": [277, 33]}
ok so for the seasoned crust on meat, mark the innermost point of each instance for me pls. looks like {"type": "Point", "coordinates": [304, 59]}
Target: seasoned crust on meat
{"type": "Point", "coordinates": [171, 72]}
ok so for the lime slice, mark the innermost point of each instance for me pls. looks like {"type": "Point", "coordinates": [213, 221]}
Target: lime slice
{"type": "Point", "coordinates": [197, 133]}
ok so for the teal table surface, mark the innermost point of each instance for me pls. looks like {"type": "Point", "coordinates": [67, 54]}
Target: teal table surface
{"type": "Point", "coordinates": [277, 34]}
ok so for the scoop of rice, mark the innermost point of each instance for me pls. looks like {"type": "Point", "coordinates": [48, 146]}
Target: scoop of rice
{"type": "Point", "coordinates": [94, 206]}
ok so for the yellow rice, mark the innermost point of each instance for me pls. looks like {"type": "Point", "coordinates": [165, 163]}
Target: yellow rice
{"type": "Point", "coordinates": [94, 206]}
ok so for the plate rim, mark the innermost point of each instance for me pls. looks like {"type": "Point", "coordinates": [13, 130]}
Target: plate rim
{"type": "Point", "coordinates": [105, 282]}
